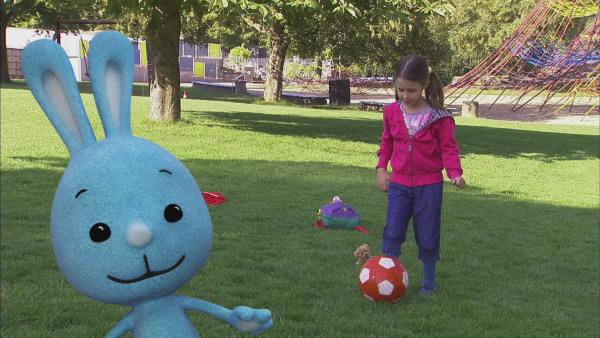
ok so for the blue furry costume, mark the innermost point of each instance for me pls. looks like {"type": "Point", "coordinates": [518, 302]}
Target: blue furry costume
{"type": "Point", "coordinates": [129, 224]}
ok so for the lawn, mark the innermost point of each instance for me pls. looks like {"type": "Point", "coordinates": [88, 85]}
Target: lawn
{"type": "Point", "coordinates": [520, 245]}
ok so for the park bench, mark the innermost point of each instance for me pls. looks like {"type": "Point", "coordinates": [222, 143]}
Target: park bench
{"type": "Point", "coordinates": [372, 105]}
{"type": "Point", "coordinates": [304, 99]}
{"type": "Point", "coordinates": [453, 111]}
{"type": "Point", "coordinates": [238, 87]}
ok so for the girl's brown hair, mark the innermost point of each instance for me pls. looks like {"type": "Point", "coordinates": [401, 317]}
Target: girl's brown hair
{"type": "Point", "coordinates": [415, 68]}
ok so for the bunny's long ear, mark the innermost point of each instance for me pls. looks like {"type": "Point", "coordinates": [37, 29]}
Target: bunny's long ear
{"type": "Point", "coordinates": [111, 74]}
{"type": "Point", "coordinates": [51, 79]}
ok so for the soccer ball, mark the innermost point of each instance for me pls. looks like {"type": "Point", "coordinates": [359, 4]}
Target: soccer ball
{"type": "Point", "coordinates": [383, 279]}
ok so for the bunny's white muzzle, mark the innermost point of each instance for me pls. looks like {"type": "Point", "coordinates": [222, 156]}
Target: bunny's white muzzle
{"type": "Point", "coordinates": [138, 235]}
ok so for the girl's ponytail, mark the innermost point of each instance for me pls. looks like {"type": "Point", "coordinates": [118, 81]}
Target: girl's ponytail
{"type": "Point", "coordinates": [434, 93]}
{"type": "Point", "coordinates": [415, 68]}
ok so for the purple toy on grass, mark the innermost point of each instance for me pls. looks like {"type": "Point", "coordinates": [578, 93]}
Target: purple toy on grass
{"type": "Point", "coordinates": [339, 215]}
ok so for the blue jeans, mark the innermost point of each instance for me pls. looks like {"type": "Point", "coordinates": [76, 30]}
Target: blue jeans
{"type": "Point", "coordinates": [424, 205]}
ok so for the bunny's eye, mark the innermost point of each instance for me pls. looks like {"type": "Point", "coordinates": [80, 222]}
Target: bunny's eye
{"type": "Point", "coordinates": [99, 232]}
{"type": "Point", "coordinates": [173, 213]}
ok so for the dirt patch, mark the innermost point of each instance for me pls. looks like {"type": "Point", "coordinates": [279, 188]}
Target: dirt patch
{"type": "Point", "coordinates": [533, 113]}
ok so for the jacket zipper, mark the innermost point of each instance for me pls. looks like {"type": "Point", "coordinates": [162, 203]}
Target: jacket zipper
{"type": "Point", "coordinates": [410, 142]}
{"type": "Point", "coordinates": [410, 139]}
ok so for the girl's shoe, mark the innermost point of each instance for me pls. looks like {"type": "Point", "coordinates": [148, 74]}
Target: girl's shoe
{"type": "Point", "coordinates": [427, 290]}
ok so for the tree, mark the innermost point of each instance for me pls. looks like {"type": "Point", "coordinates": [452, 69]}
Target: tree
{"type": "Point", "coordinates": [475, 29]}
{"type": "Point", "coordinates": [239, 55]}
{"type": "Point", "coordinates": [384, 32]}
{"type": "Point", "coordinates": [276, 21]}
{"type": "Point", "coordinates": [313, 26]}
{"type": "Point", "coordinates": [202, 25]}
{"type": "Point", "coordinates": [159, 22]}
{"type": "Point", "coordinates": [454, 36]}
{"type": "Point", "coordinates": [11, 12]}
{"type": "Point", "coordinates": [42, 15]}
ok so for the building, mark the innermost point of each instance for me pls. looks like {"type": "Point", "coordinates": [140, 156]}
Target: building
{"type": "Point", "coordinates": [196, 62]}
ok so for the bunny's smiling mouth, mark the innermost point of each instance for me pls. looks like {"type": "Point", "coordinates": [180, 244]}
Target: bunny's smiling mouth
{"type": "Point", "coordinates": [149, 273]}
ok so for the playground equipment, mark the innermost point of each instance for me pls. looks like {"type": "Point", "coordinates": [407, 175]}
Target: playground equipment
{"type": "Point", "coordinates": [556, 49]}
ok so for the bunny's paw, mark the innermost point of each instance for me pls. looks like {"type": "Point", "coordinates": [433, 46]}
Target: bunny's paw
{"type": "Point", "coordinates": [247, 319]}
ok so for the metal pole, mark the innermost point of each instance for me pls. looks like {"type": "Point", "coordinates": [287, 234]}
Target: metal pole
{"type": "Point", "coordinates": [57, 32]}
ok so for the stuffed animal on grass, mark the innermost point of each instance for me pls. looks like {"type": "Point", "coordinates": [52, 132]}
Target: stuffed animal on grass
{"type": "Point", "coordinates": [362, 254]}
{"type": "Point", "coordinates": [129, 224]}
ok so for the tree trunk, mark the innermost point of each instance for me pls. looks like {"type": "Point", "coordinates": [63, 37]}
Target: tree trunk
{"type": "Point", "coordinates": [279, 46]}
{"type": "Point", "coordinates": [162, 34]}
{"type": "Point", "coordinates": [4, 75]}
{"type": "Point", "coordinates": [319, 68]}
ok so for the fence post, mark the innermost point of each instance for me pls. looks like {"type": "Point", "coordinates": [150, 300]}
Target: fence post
{"type": "Point", "coordinates": [470, 109]}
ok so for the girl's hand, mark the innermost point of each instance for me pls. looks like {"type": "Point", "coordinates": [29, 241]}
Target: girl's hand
{"type": "Point", "coordinates": [383, 179]}
{"type": "Point", "coordinates": [459, 182]}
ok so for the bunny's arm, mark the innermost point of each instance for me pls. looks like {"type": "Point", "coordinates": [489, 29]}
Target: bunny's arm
{"type": "Point", "coordinates": [189, 303]}
{"type": "Point", "coordinates": [122, 326]}
{"type": "Point", "coordinates": [242, 318]}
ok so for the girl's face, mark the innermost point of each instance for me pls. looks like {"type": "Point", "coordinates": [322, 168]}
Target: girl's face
{"type": "Point", "coordinates": [409, 92]}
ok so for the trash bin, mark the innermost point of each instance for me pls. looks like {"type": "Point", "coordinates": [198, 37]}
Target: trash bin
{"type": "Point", "coordinates": [339, 92]}
{"type": "Point", "coordinates": [240, 87]}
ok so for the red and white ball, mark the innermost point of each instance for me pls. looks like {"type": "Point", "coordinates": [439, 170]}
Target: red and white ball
{"type": "Point", "coordinates": [383, 279]}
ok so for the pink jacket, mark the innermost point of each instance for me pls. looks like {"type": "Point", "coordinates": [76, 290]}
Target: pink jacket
{"type": "Point", "coordinates": [419, 159]}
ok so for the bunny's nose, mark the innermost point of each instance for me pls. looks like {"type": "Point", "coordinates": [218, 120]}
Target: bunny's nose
{"type": "Point", "coordinates": [139, 235]}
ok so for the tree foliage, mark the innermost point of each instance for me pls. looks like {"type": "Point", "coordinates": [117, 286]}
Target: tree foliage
{"type": "Point", "coordinates": [336, 27]}
{"type": "Point", "coordinates": [43, 15]}
{"type": "Point", "coordinates": [241, 52]}
{"type": "Point", "coordinates": [383, 34]}
{"type": "Point", "coordinates": [474, 30]}
{"type": "Point", "coordinates": [454, 35]}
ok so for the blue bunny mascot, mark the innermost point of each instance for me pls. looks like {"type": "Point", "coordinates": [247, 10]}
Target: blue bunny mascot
{"type": "Point", "coordinates": [129, 224]}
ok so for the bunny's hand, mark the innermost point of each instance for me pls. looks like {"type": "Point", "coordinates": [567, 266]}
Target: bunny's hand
{"type": "Point", "coordinates": [247, 319]}
{"type": "Point", "coordinates": [243, 318]}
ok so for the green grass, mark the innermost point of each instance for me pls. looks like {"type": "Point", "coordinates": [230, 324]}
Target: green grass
{"type": "Point", "coordinates": [520, 245]}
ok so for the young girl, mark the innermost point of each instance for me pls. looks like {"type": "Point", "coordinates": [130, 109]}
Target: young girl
{"type": "Point", "coordinates": [418, 140]}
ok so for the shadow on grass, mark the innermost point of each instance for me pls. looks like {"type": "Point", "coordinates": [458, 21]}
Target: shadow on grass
{"type": "Point", "coordinates": [501, 266]}
{"type": "Point", "coordinates": [54, 162]}
{"type": "Point", "coordinates": [15, 84]}
{"type": "Point", "coordinates": [142, 89]}
{"type": "Point", "coordinates": [501, 142]}
{"type": "Point", "coordinates": [139, 89]}
{"type": "Point", "coordinates": [367, 131]}
{"type": "Point", "coordinates": [198, 94]}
